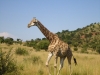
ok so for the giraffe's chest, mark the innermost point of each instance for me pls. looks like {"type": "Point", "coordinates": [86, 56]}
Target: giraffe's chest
{"type": "Point", "coordinates": [54, 44]}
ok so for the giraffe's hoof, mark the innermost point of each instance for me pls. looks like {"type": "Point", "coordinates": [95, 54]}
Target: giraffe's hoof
{"type": "Point", "coordinates": [46, 65]}
{"type": "Point", "coordinates": [55, 66]}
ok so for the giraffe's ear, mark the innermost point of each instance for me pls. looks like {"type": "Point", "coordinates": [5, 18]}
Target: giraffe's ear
{"type": "Point", "coordinates": [36, 20]}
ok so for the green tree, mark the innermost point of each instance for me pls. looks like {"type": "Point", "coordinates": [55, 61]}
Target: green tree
{"type": "Point", "coordinates": [9, 41]}
{"type": "Point", "coordinates": [75, 48]}
{"type": "Point", "coordinates": [2, 39]}
{"type": "Point", "coordinates": [43, 44]}
{"type": "Point", "coordinates": [19, 41]}
{"type": "Point", "coordinates": [98, 48]}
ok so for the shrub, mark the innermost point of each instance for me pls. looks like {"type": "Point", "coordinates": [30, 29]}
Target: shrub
{"type": "Point", "coordinates": [43, 44]}
{"type": "Point", "coordinates": [1, 39]}
{"type": "Point", "coordinates": [40, 72]}
{"type": "Point", "coordinates": [36, 59]}
{"type": "Point", "coordinates": [84, 50]}
{"type": "Point", "coordinates": [75, 44]}
{"type": "Point", "coordinates": [7, 63]}
{"type": "Point", "coordinates": [75, 48]}
{"type": "Point", "coordinates": [21, 51]}
{"type": "Point", "coordinates": [98, 49]}
{"type": "Point", "coordinates": [9, 41]}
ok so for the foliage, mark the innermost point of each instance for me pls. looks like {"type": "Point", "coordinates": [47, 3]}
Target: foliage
{"type": "Point", "coordinates": [9, 41]}
{"type": "Point", "coordinates": [38, 44]}
{"type": "Point", "coordinates": [36, 60]}
{"type": "Point", "coordinates": [2, 39]}
{"type": "Point", "coordinates": [21, 51]}
{"type": "Point", "coordinates": [98, 48]}
{"type": "Point", "coordinates": [19, 41]}
{"type": "Point", "coordinates": [40, 72]}
{"type": "Point", "coordinates": [43, 44]}
{"type": "Point", "coordinates": [86, 37]}
{"type": "Point", "coordinates": [84, 50]}
{"type": "Point", "coordinates": [7, 63]}
{"type": "Point", "coordinates": [75, 48]}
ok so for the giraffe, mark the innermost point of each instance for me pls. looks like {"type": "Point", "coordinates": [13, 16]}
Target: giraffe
{"type": "Point", "coordinates": [57, 47]}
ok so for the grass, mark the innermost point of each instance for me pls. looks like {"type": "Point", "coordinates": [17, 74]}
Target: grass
{"type": "Point", "coordinates": [34, 63]}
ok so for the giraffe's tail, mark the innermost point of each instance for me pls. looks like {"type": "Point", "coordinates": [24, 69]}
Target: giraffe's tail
{"type": "Point", "coordinates": [75, 60]}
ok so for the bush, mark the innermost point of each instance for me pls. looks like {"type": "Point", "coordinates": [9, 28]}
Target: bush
{"type": "Point", "coordinates": [75, 48]}
{"type": "Point", "coordinates": [84, 50]}
{"type": "Point", "coordinates": [40, 72]}
{"type": "Point", "coordinates": [9, 41]}
{"type": "Point", "coordinates": [21, 51]}
{"type": "Point", "coordinates": [43, 44]}
{"type": "Point", "coordinates": [98, 49]}
{"type": "Point", "coordinates": [1, 39]}
{"type": "Point", "coordinates": [7, 63]}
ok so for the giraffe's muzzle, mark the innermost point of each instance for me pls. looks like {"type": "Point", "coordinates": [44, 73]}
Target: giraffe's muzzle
{"type": "Point", "coordinates": [28, 26]}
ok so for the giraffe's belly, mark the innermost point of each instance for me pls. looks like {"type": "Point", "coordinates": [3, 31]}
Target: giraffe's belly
{"type": "Point", "coordinates": [64, 53]}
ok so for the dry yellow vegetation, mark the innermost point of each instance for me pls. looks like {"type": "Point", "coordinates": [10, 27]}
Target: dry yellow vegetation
{"type": "Point", "coordinates": [34, 63]}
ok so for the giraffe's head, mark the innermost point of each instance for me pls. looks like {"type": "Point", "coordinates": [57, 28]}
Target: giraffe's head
{"type": "Point", "coordinates": [33, 22]}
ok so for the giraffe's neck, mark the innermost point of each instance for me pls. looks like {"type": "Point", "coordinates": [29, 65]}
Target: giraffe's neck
{"type": "Point", "coordinates": [49, 35]}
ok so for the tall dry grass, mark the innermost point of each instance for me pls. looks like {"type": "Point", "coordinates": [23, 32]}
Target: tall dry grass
{"type": "Point", "coordinates": [88, 64]}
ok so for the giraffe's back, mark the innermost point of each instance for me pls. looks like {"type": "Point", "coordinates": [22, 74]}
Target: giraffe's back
{"type": "Point", "coordinates": [60, 48]}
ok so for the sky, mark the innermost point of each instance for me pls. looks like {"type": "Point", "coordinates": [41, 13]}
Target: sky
{"type": "Point", "coordinates": [55, 15]}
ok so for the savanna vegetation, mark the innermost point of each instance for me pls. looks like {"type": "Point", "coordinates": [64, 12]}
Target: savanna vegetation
{"type": "Point", "coordinates": [28, 61]}
{"type": "Point", "coordinates": [28, 58]}
{"type": "Point", "coordinates": [84, 40]}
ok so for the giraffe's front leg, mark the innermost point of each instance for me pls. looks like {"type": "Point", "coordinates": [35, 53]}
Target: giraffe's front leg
{"type": "Point", "coordinates": [55, 62]}
{"type": "Point", "coordinates": [49, 57]}
{"type": "Point", "coordinates": [47, 62]}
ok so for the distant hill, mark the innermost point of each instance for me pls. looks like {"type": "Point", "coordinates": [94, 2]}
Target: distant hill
{"type": "Point", "coordinates": [81, 40]}
{"type": "Point", "coordinates": [86, 38]}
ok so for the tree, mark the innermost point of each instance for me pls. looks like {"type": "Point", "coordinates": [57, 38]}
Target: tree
{"type": "Point", "coordinates": [2, 39]}
{"type": "Point", "coordinates": [75, 44]}
{"type": "Point", "coordinates": [43, 44]}
{"type": "Point", "coordinates": [44, 39]}
{"type": "Point", "coordinates": [19, 41]}
{"type": "Point", "coordinates": [75, 48]}
{"type": "Point", "coordinates": [9, 41]}
{"type": "Point", "coordinates": [98, 49]}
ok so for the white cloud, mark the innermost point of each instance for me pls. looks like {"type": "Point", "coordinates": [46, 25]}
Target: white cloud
{"type": "Point", "coordinates": [6, 34]}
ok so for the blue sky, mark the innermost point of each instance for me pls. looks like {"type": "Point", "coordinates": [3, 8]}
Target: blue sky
{"type": "Point", "coordinates": [56, 15]}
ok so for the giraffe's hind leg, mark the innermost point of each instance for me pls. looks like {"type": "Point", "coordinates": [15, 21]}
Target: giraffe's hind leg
{"type": "Point", "coordinates": [61, 64]}
{"type": "Point", "coordinates": [69, 62]}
